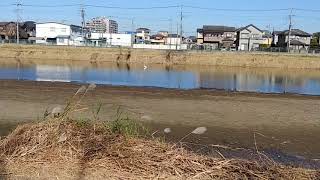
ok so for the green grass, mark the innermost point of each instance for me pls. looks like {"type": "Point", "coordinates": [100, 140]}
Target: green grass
{"type": "Point", "coordinates": [127, 126]}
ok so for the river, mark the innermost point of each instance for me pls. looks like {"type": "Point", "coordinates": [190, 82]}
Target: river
{"type": "Point", "coordinates": [179, 77]}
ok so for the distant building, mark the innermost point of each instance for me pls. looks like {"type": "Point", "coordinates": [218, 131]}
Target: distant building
{"type": "Point", "coordinates": [190, 40]}
{"type": "Point", "coordinates": [163, 33]}
{"type": "Point", "coordinates": [143, 35]}
{"type": "Point", "coordinates": [275, 39]}
{"type": "Point", "coordinates": [249, 38]}
{"type": "Point", "coordinates": [173, 39]}
{"type": "Point", "coordinates": [107, 39]}
{"type": "Point", "coordinates": [299, 40]}
{"type": "Point", "coordinates": [8, 30]}
{"type": "Point", "coordinates": [216, 36]}
{"type": "Point", "coordinates": [267, 38]}
{"type": "Point", "coordinates": [58, 34]}
{"type": "Point", "coordinates": [157, 39]}
{"type": "Point", "coordinates": [102, 25]}
{"type": "Point", "coordinates": [199, 36]}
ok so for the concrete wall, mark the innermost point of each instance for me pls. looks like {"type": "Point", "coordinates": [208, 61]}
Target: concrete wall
{"type": "Point", "coordinates": [96, 55]}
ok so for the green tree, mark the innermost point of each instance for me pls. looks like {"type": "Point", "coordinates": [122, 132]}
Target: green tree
{"type": "Point", "coordinates": [315, 40]}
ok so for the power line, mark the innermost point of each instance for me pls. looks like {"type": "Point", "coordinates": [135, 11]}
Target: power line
{"type": "Point", "coordinates": [167, 7]}
{"type": "Point", "coordinates": [249, 10]}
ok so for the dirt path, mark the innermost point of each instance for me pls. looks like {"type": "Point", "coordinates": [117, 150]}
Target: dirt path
{"type": "Point", "coordinates": [289, 123]}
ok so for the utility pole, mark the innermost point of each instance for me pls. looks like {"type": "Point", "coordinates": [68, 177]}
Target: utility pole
{"type": "Point", "coordinates": [177, 36]}
{"type": "Point", "coordinates": [132, 32]}
{"type": "Point", "coordinates": [170, 32]}
{"type": "Point", "coordinates": [19, 4]}
{"type": "Point", "coordinates": [290, 29]}
{"type": "Point", "coordinates": [132, 25]}
{"type": "Point", "coordinates": [181, 23]}
{"type": "Point", "coordinates": [83, 22]}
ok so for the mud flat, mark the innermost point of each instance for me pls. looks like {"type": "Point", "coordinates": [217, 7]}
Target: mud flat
{"type": "Point", "coordinates": [96, 55]}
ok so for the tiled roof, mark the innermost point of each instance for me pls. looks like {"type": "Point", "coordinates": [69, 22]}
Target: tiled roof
{"type": "Point", "coordinates": [295, 32]}
{"type": "Point", "coordinates": [208, 28]}
{"type": "Point", "coordinates": [243, 28]}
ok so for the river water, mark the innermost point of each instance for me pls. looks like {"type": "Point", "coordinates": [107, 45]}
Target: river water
{"type": "Point", "coordinates": [259, 80]}
{"type": "Point", "coordinates": [179, 77]}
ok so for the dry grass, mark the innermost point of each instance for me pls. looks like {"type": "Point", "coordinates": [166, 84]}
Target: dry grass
{"type": "Point", "coordinates": [64, 150]}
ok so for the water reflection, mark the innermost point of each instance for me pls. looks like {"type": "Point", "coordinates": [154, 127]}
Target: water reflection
{"type": "Point", "coordinates": [181, 77]}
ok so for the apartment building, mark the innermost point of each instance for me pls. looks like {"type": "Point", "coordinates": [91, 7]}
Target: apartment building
{"type": "Point", "coordinates": [102, 25]}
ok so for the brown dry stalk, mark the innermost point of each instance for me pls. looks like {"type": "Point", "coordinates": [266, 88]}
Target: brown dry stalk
{"type": "Point", "coordinates": [95, 152]}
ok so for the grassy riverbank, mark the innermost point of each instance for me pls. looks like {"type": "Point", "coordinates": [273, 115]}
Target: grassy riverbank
{"type": "Point", "coordinates": [117, 55]}
{"type": "Point", "coordinates": [71, 150]}
{"type": "Point", "coordinates": [64, 144]}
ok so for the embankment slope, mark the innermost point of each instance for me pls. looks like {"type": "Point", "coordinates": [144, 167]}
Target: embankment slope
{"type": "Point", "coordinates": [96, 55]}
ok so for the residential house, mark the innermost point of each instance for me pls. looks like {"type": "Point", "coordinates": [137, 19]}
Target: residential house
{"type": "Point", "coordinates": [58, 34]}
{"type": "Point", "coordinates": [8, 31]}
{"type": "Point", "coordinates": [157, 39]}
{"type": "Point", "coordinates": [190, 40]}
{"type": "Point", "coordinates": [217, 36]}
{"type": "Point", "coordinates": [299, 40]}
{"type": "Point", "coordinates": [143, 35]}
{"type": "Point", "coordinates": [199, 36]}
{"type": "Point", "coordinates": [173, 39]}
{"type": "Point", "coordinates": [275, 39]}
{"type": "Point", "coordinates": [249, 38]}
{"type": "Point", "coordinates": [108, 39]}
{"type": "Point", "coordinates": [267, 39]}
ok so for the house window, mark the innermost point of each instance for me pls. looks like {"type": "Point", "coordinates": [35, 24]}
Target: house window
{"type": "Point", "coordinates": [64, 30]}
{"type": "Point", "coordinates": [245, 35]}
{"type": "Point", "coordinates": [61, 40]}
{"type": "Point", "coordinates": [52, 29]}
{"type": "Point", "coordinates": [255, 36]}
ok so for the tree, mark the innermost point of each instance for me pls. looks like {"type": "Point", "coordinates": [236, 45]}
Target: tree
{"type": "Point", "coordinates": [315, 40]}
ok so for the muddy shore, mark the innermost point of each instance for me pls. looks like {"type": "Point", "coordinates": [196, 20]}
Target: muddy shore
{"type": "Point", "coordinates": [145, 56]}
{"type": "Point", "coordinates": [287, 123]}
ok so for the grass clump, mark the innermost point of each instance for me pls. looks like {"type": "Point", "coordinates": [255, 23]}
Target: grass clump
{"type": "Point", "coordinates": [127, 126]}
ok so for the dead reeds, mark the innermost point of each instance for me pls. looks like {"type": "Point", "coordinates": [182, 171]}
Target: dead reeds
{"type": "Point", "coordinates": [90, 149]}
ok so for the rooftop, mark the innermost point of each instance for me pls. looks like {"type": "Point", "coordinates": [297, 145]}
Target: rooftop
{"type": "Point", "coordinates": [296, 32]}
{"type": "Point", "coordinates": [246, 27]}
{"type": "Point", "coordinates": [209, 28]}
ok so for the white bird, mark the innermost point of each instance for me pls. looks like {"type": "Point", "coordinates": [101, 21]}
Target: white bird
{"type": "Point", "coordinates": [145, 67]}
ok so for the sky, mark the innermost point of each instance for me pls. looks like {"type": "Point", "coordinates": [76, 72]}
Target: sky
{"type": "Point", "coordinates": [268, 15]}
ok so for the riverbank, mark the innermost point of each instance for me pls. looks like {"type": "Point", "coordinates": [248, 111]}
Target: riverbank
{"type": "Point", "coordinates": [144, 56]}
{"type": "Point", "coordinates": [288, 123]}
{"type": "Point", "coordinates": [66, 149]}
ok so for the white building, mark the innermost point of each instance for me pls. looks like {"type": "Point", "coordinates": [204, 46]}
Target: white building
{"type": "Point", "coordinates": [107, 39]}
{"type": "Point", "coordinates": [173, 39]}
{"type": "Point", "coordinates": [143, 35]}
{"type": "Point", "coordinates": [102, 25]}
{"type": "Point", "coordinates": [58, 34]}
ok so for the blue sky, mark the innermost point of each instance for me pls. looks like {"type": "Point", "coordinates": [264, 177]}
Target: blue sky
{"type": "Point", "coordinates": [159, 19]}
